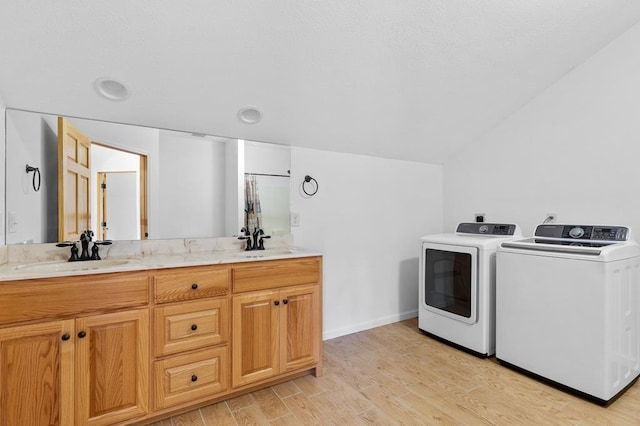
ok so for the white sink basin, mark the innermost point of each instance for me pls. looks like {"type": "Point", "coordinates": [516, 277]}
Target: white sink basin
{"type": "Point", "coordinates": [64, 266]}
{"type": "Point", "coordinates": [261, 253]}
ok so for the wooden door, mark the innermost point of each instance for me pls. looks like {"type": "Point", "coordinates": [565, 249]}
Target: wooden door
{"type": "Point", "coordinates": [112, 367]}
{"type": "Point", "coordinates": [36, 374]}
{"type": "Point", "coordinates": [299, 322]}
{"type": "Point", "coordinates": [74, 213]}
{"type": "Point", "coordinates": [255, 342]}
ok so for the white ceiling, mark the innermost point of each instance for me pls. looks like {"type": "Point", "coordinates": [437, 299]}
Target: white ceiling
{"type": "Point", "coordinates": [406, 79]}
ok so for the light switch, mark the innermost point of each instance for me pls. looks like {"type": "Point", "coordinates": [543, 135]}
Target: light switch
{"type": "Point", "coordinates": [13, 221]}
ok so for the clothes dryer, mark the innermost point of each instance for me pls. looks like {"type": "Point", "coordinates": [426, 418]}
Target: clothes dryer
{"type": "Point", "coordinates": [567, 304]}
{"type": "Point", "coordinates": [457, 285]}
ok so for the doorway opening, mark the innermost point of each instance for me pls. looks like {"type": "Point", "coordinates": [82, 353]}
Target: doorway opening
{"type": "Point", "coordinates": [120, 194]}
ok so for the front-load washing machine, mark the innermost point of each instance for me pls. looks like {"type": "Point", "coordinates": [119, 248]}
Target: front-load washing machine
{"type": "Point", "coordinates": [567, 308]}
{"type": "Point", "coordinates": [457, 285]}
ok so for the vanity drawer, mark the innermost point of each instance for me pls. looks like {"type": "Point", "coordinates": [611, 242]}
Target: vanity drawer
{"type": "Point", "coordinates": [29, 300]}
{"type": "Point", "coordinates": [191, 325]}
{"type": "Point", "coordinates": [276, 273]}
{"type": "Point", "coordinates": [190, 283]}
{"type": "Point", "coordinates": [185, 378]}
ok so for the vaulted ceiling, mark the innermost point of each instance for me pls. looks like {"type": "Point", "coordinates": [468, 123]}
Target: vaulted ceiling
{"type": "Point", "coordinates": [406, 79]}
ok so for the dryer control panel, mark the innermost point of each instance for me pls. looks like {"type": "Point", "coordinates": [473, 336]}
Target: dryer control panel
{"type": "Point", "coordinates": [583, 232]}
{"type": "Point", "coordinates": [483, 228]}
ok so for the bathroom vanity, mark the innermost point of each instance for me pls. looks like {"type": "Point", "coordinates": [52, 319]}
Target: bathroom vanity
{"type": "Point", "coordinates": [139, 342]}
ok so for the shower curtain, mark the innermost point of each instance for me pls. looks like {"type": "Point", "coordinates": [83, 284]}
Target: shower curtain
{"type": "Point", "coordinates": [252, 210]}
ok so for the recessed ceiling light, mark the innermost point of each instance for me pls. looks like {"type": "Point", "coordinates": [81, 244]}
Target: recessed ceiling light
{"type": "Point", "coordinates": [111, 89]}
{"type": "Point", "coordinates": [250, 115]}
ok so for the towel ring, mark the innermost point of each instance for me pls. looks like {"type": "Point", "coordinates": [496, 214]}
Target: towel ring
{"type": "Point", "coordinates": [36, 174]}
{"type": "Point", "coordinates": [308, 179]}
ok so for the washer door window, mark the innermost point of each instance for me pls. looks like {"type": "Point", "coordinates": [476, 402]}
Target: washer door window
{"type": "Point", "coordinates": [450, 281]}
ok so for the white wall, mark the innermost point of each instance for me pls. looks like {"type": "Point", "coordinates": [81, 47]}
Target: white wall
{"type": "Point", "coordinates": [31, 139]}
{"type": "Point", "coordinates": [574, 151]}
{"type": "Point", "coordinates": [266, 158]}
{"type": "Point", "coordinates": [234, 187]}
{"type": "Point", "coordinates": [366, 218]}
{"type": "Point", "coordinates": [192, 185]}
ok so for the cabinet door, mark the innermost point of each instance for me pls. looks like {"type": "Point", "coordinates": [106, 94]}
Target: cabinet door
{"type": "Point", "coordinates": [36, 374]}
{"type": "Point", "coordinates": [299, 322]}
{"type": "Point", "coordinates": [255, 337]}
{"type": "Point", "coordinates": [112, 367]}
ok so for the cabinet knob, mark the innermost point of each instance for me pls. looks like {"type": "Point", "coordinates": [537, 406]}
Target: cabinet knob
{"type": "Point", "coordinates": [285, 301]}
{"type": "Point", "coordinates": [277, 302]}
{"type": "Point", "coordinates": [194, 378]}
{"type": "Point", "coordinates": [82, 334]}
{"type": "Point", "coordinates": [66, 336]}
{"type": "Point", "coordinates": [194, 286]}
{"type": "Point", "coordinates": [194, 327]}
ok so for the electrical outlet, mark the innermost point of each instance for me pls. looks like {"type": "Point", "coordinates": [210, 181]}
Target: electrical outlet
{"type": "Point", "coordinates": [551, 218]}
{"type": "Point", "coordinates": [295, 220]}
{"type": "Point", "coordinates": [479, 217]}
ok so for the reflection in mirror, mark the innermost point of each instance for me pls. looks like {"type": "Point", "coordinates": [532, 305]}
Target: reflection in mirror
{"type": "Point", "coordinates": [266, 192]}
{"type": "Point", "coordinates": [142, 182]}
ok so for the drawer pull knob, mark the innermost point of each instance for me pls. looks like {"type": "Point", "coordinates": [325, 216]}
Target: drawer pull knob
{"type": "Point", "coordinates": [277, 302]}
{"type": "Point", "coordinates": [194, 378]}
{"type": "Point", "coordinates": [194, 327]}
{"type": "Point", "coordinates": [194, 286]}
{"type": "Point", "coordinates": [82, 334]}
{"type": "Point", "coordinates": [66, 337]}
{"type": "Point", "coordinates": [285, 301]}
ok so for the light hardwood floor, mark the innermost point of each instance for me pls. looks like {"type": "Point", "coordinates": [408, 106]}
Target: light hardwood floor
{"type": "Point", "coordinates": [396, 375]}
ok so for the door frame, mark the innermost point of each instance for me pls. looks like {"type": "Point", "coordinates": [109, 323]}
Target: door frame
{"type": "Point", "coordinates": [143, 178]}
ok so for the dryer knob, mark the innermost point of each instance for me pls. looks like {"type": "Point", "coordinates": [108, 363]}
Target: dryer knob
{"type": "Point", "coordinates": [484, 229]}
{"type": "Point", "coordinates": [576, 232]}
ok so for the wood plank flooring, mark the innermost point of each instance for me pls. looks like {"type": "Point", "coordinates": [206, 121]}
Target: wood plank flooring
{"type": "Point", "coordinates": [395, 375]}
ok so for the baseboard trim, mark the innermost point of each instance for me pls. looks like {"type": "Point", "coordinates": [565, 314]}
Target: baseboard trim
{"type": "Point", "coordinates": [378, 322]}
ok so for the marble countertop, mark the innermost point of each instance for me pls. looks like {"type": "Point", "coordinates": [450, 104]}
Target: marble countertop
{"type": "Point", "coordinates": [36, 263]}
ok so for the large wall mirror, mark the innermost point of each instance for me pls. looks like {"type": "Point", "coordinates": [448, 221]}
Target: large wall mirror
{"type": "Point", "coordinates": [128, 182]}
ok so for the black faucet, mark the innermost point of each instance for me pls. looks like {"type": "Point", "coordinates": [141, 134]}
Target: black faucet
{"type": "Point", "coordinates": [258, 244]}
{"type": "Point", "coordinates": [258, 237]}
{"type": "Point", "coordinates": [246, 235]}
{"type": "Point", "coordinates": [74, 249]}
{"type": "Point", "coordinates": [94, 250]}
{"type": "Point", "coordinates": [261, 242]}
{"type": "Point", "coordinates": [256, 234]}
{"type": "Point", "coordinates": [85, 238]}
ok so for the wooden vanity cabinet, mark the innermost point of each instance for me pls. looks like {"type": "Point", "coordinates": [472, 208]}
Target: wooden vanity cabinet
{"type": "Point", "coordinates": [134, 347]}
{"type": "Point", "coordinates": [276, 319]}
{"type": "Point", "coordinates": [86, 368]}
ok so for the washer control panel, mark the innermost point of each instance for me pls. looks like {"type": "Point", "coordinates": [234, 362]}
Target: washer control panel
{"type": "Point", "coordinates": [583, 232]}
{"type": "Point", "coordinates": [486, 228]}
